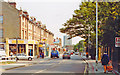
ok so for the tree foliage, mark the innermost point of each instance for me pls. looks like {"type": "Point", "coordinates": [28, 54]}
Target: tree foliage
{"type": "Point", "coordinates": [83, 22]}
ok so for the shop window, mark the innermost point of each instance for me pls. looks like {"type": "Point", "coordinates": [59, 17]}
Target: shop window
{"type": "Point", "coordinates": [25, 35]}
{"type": "Point", "coordinates": [21, 49]}
{"type": "Point", "coordinates": [12, 49]}
{"type": "Point", "coordinates": [2, 46]}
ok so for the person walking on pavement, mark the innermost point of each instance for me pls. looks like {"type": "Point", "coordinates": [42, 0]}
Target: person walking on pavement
{"type": "Point", "coordinates": [105, 61]}
{"type": "Point", "coordinates": [42, 54]}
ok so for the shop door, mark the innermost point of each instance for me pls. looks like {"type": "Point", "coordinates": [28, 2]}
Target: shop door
{"type": "Point", "coordinates": [47, 51]}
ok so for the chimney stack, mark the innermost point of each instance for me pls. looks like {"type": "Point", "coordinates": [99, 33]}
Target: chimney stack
{"type": "Point", "coordinates": [12, 3]}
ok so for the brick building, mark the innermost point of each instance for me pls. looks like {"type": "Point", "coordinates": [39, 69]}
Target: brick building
{"type": "Point", "coordinates": [20, 32]}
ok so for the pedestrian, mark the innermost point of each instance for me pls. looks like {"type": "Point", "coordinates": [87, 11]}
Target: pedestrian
{"type": "Point", "coordinates": [42, 54]}
{"type": "Point", "coordinates": [105, 61]}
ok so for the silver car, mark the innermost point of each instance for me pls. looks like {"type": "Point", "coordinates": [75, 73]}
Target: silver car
{"type": "Point", "coordinates": [24, 56]}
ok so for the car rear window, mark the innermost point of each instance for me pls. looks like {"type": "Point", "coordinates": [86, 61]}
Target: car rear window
{"type": "Point", "coordinates": [54, 52]}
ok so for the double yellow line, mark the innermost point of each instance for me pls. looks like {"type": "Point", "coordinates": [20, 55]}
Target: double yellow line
{"type": "Point", "coordinates": [85, 69]}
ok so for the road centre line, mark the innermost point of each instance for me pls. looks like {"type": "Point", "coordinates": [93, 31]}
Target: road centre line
{"type": "Point", "coordinates": [49, 68]}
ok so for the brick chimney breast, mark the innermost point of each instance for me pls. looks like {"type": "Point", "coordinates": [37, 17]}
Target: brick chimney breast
{"type": "Point", "coordinates": [12, 4]}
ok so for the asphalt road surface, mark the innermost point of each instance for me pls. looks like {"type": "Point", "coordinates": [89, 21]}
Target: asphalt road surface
{"type": "Point", "coordinates": [73, 65]}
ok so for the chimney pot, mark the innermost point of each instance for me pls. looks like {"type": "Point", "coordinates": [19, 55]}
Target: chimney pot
{"type": "Point", "coordinates": [12, 4]}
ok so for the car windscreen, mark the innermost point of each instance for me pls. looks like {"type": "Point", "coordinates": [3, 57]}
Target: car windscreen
{"type": "Point", "coordinates": [18, 54]}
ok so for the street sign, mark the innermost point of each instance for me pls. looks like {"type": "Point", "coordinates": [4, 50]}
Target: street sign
{"type": "Point", "coordinates": [52, 45]}
{"type": "Point", "coordinates": [56, 41]}
{"type": "Point", "coordinates": [117, 41]}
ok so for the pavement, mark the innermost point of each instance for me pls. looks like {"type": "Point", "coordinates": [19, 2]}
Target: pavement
{"type": "Point", "coordinates": [96, 69]}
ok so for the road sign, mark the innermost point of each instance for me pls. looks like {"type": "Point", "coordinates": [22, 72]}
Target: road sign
{"type": "Point", "coordinates": [56, 41]}
{"type": "Point", "coordinates": [52, 45]}
{"type": "Point", "coordinates": [117, 41]}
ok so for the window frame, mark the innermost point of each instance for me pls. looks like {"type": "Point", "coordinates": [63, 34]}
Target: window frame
{"type": "Point", "coordinates": [2, 19]}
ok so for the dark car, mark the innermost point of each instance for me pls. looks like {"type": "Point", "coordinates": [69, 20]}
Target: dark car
{"type": "Point", "coordinates": [66, 56]}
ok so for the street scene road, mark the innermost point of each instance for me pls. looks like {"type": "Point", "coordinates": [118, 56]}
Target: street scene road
{"type": "Point", "coordinates": [60, 37]}
{"type": "Point", "coordinates": [59, 65]}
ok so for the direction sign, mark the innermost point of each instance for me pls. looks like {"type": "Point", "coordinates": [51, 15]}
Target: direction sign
{"type": "Point", "coordinates": [117, 41]}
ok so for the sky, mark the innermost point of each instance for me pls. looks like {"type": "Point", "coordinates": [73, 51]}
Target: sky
{"type": "Point", "coordinates": [52, 13]}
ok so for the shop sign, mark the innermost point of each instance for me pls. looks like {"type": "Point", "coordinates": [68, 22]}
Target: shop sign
{"type": "Point", "coordinates": [56, 41]}
{"type": "Point", "coordinates": [30, 47]}
{"type": "Point", "coordinates": [52, 45]}
{"type": "Point", "coordinates": [36, 42]}
{"type": "Point", "coordinates": [117, 41]}
{"type": "Point", "coordinates": [13, 41]}
{"type": "Point", "coordinates": [44, 39]}
{"type": "Point", "coordinates": [30, 42]}
{"type": "Point", "coordinates": [40, 45]}
{"type": "Point", "coordinates": [20, 41]}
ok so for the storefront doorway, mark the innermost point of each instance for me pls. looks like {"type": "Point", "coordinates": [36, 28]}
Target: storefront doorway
{"type": "Point", "coordinates": [30, 50]}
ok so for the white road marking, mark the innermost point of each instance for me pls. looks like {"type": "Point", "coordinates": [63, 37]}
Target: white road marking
{"type": "Point", "coordinates": [50, 67]}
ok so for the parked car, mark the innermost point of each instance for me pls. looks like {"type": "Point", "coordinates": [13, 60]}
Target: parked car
{"type": "Point", "coordinates": [84, 54]}
{"type": "Point", "coordinates": [66, 56]}
{"type": "Point", "coordinates": [24, 56]}
{"type": "Point", "coordinates": [76, 53]}
{"type": "Point", "coordinates": [54, 53]}
{"type": "Point", "coordinates": [71, 52]}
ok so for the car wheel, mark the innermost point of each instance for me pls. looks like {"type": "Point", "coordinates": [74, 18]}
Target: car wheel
{"type": "Point", "coordinates": [63, 58]}
{"type": "Point", "coordinates": [29, 58]}
{"type": "Point", "coordinates": [57, 56]}
{"type": "Point", "coordinates": [69, 58]}
{"type": "Point", "coordinates": [16, 59]}
{"type": "Point", "coordinates": [51, 56]}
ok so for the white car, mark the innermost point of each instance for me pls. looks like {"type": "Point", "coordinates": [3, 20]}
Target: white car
{"type": "Point", "coordinates": [23, 56]}
{"type": "Point", "coordinates": [76, 53]}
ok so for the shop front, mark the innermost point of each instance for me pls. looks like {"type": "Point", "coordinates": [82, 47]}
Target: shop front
{"type": "Point", "coordinates": [15, 46]}
{"type": "Point", "coordinates": [28, 47]}
{"type": "Point", "coordinates": [32, 48]}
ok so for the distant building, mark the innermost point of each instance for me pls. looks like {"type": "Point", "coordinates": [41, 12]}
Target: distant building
{"type": "Point", "coordinates": [66, 41]}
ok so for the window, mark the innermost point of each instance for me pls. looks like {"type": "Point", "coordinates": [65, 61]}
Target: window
{"type": "Point", "coordinates": [1, 33]}
{"type": "Point", "coordinates": [1, 19]}
{"type": "Point", "coordinates": [41, 32]}
{"type": "Point", "coordinates": [22, 35]}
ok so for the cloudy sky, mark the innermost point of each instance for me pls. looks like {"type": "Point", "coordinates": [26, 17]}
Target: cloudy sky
{"type": "Point", "coordinates": [53, 13]}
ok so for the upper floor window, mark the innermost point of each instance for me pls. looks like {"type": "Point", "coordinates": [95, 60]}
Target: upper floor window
{"type": "Point", "coordinates": [1, 19]}
{"type": "Point", "coordinates": [1, 33]}
{"type": "Point", "coordinates": [41, 32]}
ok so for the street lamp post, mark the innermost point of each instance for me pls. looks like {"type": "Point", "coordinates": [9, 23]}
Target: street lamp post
{"type": "Point", "coordinates": [96, 35]}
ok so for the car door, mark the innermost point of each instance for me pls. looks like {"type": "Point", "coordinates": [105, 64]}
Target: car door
{"type": "Point", "coordinates": [23, 56]}
{"type": "Point", "coordinates": [19, 56]}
